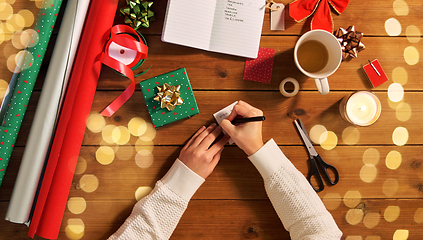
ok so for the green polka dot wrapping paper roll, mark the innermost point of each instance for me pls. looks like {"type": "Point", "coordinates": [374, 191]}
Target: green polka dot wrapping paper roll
{"type": "Point", "coordinates": [14, 110]}
{"type": "Point", "coordinates": [162, 116]}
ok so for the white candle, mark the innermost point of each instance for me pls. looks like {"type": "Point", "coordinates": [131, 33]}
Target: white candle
{"type": "Point", "coordinates": [362, 108]}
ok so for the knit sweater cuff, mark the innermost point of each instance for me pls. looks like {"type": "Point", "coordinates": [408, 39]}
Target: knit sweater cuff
{"type": "Point", "coordinates": [182, 180]}
{"type": "Point", "coordinates": [268, 159]}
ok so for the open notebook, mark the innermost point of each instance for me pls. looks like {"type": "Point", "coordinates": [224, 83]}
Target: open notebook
{"type": "Point", "coordinates": [225, 26]}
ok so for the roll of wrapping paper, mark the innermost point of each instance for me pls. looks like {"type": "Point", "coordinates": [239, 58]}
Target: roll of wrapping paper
{"type": "Point", "coordinates": [46, 113]}
{"type": "Point", "coordinates": [54, 191]}
{"type": "Point", "coordinates": [21, 93]}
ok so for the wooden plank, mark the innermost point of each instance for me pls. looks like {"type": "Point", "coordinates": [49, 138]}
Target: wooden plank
{"type": "Point", "coordinates": [370, 21]}
{"type": "Point", "coordinates": [239, 219]}
{"type": "Point", "coordinates": [208, 70]}
{"type": "Point", "coordinates": [236, 178]}
{"type": "Point", "coordinates": [312, 107]}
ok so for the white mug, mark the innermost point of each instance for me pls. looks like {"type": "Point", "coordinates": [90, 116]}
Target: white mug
{"type": "Point", "coordinates": [329, 62]}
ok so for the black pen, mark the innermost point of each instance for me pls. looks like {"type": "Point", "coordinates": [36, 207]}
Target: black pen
{"type": "Point", "coordinates": [250, 119]}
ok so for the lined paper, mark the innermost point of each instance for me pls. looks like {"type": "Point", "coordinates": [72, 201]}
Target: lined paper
{"type": "Point", "coordinates": [225, 26]}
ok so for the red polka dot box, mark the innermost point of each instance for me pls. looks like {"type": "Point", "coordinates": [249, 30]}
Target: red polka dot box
{"type": "Point", "coordinates": [162, 116]}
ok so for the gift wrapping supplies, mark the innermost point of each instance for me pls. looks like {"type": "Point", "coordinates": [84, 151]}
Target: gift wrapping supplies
{"type": "Point", "coordinates": [20, 93]}
{"type": "Point", "coordinates": [54, 191]}
{"type": "Point", "coordinates": [47, 111]}
{"type": "Point", "coordinates": [169, 97]}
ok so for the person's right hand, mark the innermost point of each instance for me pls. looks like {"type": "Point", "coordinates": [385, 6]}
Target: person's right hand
{"type": "Point", "coordinates": [248, 136]}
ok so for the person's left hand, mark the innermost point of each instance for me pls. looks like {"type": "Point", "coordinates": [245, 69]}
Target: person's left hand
{"type": "Point", "coordinates": [198, 155]}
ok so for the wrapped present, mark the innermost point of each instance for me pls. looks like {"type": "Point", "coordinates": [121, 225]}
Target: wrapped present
{"type": "Point", "coordinates": [169, 97]}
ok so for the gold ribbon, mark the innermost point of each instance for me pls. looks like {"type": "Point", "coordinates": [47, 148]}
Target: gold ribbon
{"type": "Point", "coordinates": [168, 96]}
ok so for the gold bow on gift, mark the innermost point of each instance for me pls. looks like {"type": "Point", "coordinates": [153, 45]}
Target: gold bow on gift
{"type": "Point", "coordinates": [138, 13]}
{"type": "Point", "coordinates": [168, 96]}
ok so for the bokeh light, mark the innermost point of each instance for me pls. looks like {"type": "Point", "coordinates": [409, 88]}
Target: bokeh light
{"type": "Point", "coordinates": [392, 27]}
{"type": "Point", "coordinates": [121, 135]}
{"type": "Point", "coordinates": [88, 183]}
{"type": "Point", "coordinates": [400, 75]}
{"type": "Point", "coordinates": [144, 159]}
{"type": "Point", "coordinates": [393, 160]}
{"type": "Point", "coordinates": [400, 8]}
{"type": "Point", "coordinates": [354, 216]}
{"type": "Point", "coordinates": [400, 136]}
{"type": "Point", "coordinates": [125, 153]}
{"type": "Point", "coordinates": [137, 126]}
{"type": "Point", "coordinates": [351, 135]}
{"type": "Point", "coordinates": [418, 215]}
{"type": "Point", "coordinates": [144, 145]}
{"type": "Point", "coordinates": [75, 228]}
{"type": "Point", "coordinates": [16, 21]}
{"type": "Point", "coordinates": [372, 238]}
{"type": "Point", "coordinates": [11, 63]}
{"type": "Point", "coordinates": [16, 40]}
{"type": "Point", "coordinates": [330, 142]}
{"type": "Point", "coordinates": [318, 134]}
{"type": "Point", "coordinates": [105, 155]}
{"type": "Point", "coordinates": [3, 88]}
{"type": "Point", "coordinates": [77, 205]}
{"type": "Point", "coordinates": [400, 234]}
{"type": "Point", "coordinates": [107, 133]}
{"type": "Point", "coordinates": [354, 238]}
{"type": "Point", "coordinates": [81, 166]}
{"type": "Point", "coordinates": [29, 38]}
{"type": "Point", "coordinates": [28, 17]}
{"type": "Point", "coordinates": [6, 11]}
{"type": "Point", "coordinates": [352, 199]}
{"type": "Point", "coordinates": [371, 156]}
{"type": "Point", "coordinates": [142, 192]}
{"type": "Point", "coordinates": [371, 220]}
{"type": "Point", "coordinates": [149, 134]}
{"type": "Point", "coordinates": [395, 92]}
{"type": "Point", "coordinates": [411, 55]}
{"type": "Point", "coordinates": [332, 201]}
{"type": "Point", "coordinates": [403, 112]}
{"type": "Point", "coordinates": [391, 213]}
{"type": "Point", "coordinates": [390, 187]}
{"type": "Point", "coordinates": [413, 34]}
{"type": "Point", "coordinates": [368, 173]}
{"type": "Point", "coordinates": [96, 123]}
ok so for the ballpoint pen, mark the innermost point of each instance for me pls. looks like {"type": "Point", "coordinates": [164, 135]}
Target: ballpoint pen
{"type": "Point", "coordinates": [249, 119]}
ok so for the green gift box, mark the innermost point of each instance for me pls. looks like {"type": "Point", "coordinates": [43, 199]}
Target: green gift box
{"type": "Point", "coordinates": [162, 116]}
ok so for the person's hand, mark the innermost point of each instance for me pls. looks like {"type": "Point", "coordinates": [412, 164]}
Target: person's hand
{"type": "Point", "coordinates": [248, 136]}
{"type": "Point", "coordinates": [198, 155]}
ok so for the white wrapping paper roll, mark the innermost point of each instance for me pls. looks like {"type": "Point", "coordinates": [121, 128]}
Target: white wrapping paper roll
{"type": "Point", "coordinates": [46, 114]}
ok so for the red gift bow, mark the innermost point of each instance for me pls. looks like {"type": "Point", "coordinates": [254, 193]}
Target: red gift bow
{"type": "Point", "coordinates": [322, 19]}
{"type": "Point", "coordinates": [124, 36]}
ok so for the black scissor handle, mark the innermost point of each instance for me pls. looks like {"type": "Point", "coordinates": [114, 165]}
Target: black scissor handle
{"type": "Point", "coordinates": [325, 166]}
{"type": "Point", "coordinates": [314, 171]}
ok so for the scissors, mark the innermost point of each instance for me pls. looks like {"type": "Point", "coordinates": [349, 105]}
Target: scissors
{"type": "Point", "coordinates": [316, 161]}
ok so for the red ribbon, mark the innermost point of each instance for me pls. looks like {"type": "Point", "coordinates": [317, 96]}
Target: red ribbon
{"type": "Point", "coordinates": [322, 19]}
{"type": "Point", "coordinates": [124, 36]}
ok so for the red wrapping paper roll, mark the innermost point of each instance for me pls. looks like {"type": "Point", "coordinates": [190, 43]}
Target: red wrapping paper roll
{"type": "Point", "coordinates": [54, 192]}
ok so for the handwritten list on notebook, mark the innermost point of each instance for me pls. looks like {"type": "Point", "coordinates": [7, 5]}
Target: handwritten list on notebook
{"type": "Point", "coordinates": [226, 26]}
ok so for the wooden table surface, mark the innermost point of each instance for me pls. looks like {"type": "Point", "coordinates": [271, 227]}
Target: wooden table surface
{"type": "Point", "coordinates": [379, 195]}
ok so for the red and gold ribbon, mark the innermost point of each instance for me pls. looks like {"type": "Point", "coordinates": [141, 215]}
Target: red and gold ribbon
{"type": "Point", "coordinates": [128, 39]}
{"type": "Point", "coordinates": [322, 19]}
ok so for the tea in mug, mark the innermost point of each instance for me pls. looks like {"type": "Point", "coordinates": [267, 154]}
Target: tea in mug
{"type": "Point", "coordinates": [312, 56]}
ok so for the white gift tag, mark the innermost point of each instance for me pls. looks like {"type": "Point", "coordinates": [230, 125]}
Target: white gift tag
{"type": "Point", "coordinates": [277, 18]}
{"type": "Point", "coordinates": [223, 114]}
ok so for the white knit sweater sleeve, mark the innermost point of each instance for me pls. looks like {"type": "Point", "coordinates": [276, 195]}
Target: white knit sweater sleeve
{"type": "Point", "coordinates": [298, 206]}
{"type": "Point", "coordinates": [156, 215]}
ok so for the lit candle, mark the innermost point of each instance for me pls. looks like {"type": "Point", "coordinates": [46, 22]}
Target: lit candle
{"type": "Point", "coordinates": [361, 108]}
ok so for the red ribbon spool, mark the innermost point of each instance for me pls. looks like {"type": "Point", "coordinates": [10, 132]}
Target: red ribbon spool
{"type": "Point", "coordinates": [125, 38]}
